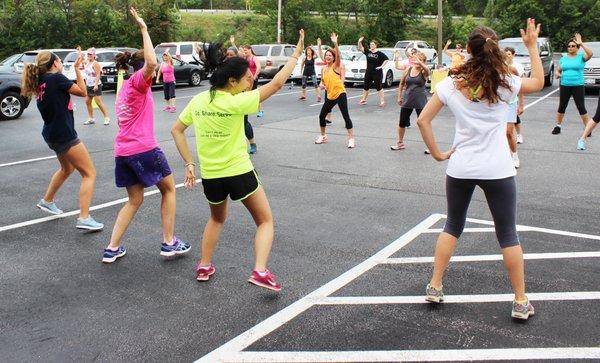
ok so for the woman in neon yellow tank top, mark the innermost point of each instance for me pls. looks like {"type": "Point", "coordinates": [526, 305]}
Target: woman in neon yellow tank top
{"type": "Point", "coordinates": [225, 166]}
{"type": "Point", "coordinates": [332, 79]}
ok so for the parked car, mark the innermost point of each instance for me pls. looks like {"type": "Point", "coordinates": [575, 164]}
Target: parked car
{"type": "Point", "coordinates": [319, 63]}
{"type": "Point", "coordinates": [12, 104]}
{"type": "Point", "coordinates": [272, 57]}
{"type": "Point", "coordinates": [351, 49]}
{"type": "Point", "coordinates": [591, 71]}
{"type": "Point", "coordinates": [356, 69]}
{"type": "Point", "coordinates": [8, 64]}
{"type": "Point", "coordinates": [189, 73]}
{"type": "Point", "coordinates": [522, 56]}
{"type": "Point", "coordinates": [421, 45]}
{"type": "Point", "coordinates": [29, 57]}
{"type": "Point", "coordinates": [183, 51]}
{"type": "Point", "coordinates": [104, 56]}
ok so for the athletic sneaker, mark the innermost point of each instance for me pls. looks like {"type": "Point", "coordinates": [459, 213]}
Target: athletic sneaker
{"type": "Point", "coordinates": [203, 273]}
{"type": "Point", "coordinates": [89, 223]}
{"type": "Point", "coordinates": [351, 143]}
{"type": "Point", "coordinates": [427, 152]}
{"type": "Point", "coordinates": [48, 207]}
{"type": "Point", "coordinates": [321, 139]}
{"type": "Point", "coordinates": [106, 121]}
{"type": "Point", "coordinates": [167, 108]}
{"type": "Point", "coordinates": [111, 256]}
{"type": "Point", "coordinates": [173, 109]}
{"type": "Point", "coordinates": [260, 113]}
{"type": "Point", "coordinates": [398, 146]}
{"type": "Point", "coordinates": [522, 311]}
{"type": "Point", "coordinates": [318, 99]}
{"type": "Point", "coordinates": [177, 248]}
{"type": "Point", "coordinates": [362, 102]}
{"type": "Point", "coordinates": [434, 295]}
{"type": "Point", "coordinates": [519, 139]}
{"type": "Point", "coordinates": [252, 149]}
{"type": "Point", "coordinates": [264, 279]}
{"type": "Point", "coordinates": [302, 98]}
{"type": "Point", "coordinates": [89, 121]}
{"type": "Point", "coordinates": [328, 122]}
{"type": "Point", "coordinates": [556, 130]}
{"type": "Point", "coordinates": [516, 161]}
{"type": "Point", "coordinates": [581, 144]}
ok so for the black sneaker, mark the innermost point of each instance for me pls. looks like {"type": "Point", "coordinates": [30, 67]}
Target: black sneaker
{"type": "Point", "coordinates": [556, 130]}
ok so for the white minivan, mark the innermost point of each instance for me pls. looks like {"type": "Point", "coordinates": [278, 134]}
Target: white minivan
{"type": "Point", "coordinates": [181, 50]}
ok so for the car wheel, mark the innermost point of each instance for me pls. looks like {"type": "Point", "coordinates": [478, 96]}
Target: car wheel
{"type": "Point", "coordinates": [389, 79]}
{"type": "Point", "coordinates": [195, 79]}
{"type": "Point", "coordinates": [549, 80]}
{"type": "Point", "coordinates": [11, 106]}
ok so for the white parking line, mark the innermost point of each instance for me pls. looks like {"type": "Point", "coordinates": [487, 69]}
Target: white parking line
{"type": "Point", "coordinates": [417, 355]}
{"type": "Point", "coordinates": [476, 258]}
{"type": "Point", "coordinates": [541, 99]}
{"type": "Point", "coordinates": [76, 212]}
{"type": "Point", "coordinates": [28, 161]}
{"type": "Point", "coordinates": [233, 351]}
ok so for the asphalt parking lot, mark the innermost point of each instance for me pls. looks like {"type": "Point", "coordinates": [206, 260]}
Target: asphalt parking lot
{"type": "Point", "coordinates": [354, 238]}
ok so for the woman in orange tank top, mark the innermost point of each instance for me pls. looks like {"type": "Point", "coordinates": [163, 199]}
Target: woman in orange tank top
{"type": "Point", "coordinates": [332, 79]}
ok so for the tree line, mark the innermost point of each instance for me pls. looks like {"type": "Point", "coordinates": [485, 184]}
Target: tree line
{"type": "Point", "coordinates": [33, 24]}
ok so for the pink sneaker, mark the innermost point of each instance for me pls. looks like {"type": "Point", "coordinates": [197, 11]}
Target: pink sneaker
{"type": "Point", "coordinates": [264, 279]}
{"type": "Point", "coordinates": [203, 273]}
{"type": "Point", "coordinates": [362, 102]}
{"type": "Point", "coordinates": [172, 109]}
{"type": "Point", "coordinates": [167, 108]}
{"type": "Point", "coordinates": [321, 139]}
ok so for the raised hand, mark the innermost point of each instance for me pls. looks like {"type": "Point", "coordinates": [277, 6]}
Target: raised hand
{"type": "Point", "coordinates": [578, 39]}
{"type": "Point", "coordinates": [531, 33]}
{"type": "Point", "coordinates": [397, 55]}
{"type": "Point", "coordinates": [334, 38]}
{"type": "Point", "coordinates": [232, 39]}
{"type": "Point", "coordinates": [319, 43]}
{"type": "Point", "coordinates": [137, 18]}
{"type": "Point", "coordinates": [361, 39]}
{"type": "Point", "coordinates": [449, 42]}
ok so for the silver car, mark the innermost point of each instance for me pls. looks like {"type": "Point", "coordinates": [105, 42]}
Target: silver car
{"type": "Point", "coordinates": [591, 71]}
{"type": "Point", "coordinates": [272, 57]}
{"type": "Point", "coordinates": [522, 56]}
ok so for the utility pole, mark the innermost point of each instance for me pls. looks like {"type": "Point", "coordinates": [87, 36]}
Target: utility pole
{"type": "Point", "coordinates": [279, 22]}
{"type": "Point", "coordinates": [440, 25]}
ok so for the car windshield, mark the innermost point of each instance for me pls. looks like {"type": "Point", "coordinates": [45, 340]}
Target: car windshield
{"type": "Point", "coordinates": [28, 57]}
{"type": "Point", "coordinates": [347, 56]}
{"type": "Point", "coordinates": [520, 48]}
{"type": "Point", "coordinates": [71, 57]}
{"type": "Point", "coordinates": [401, 45]}
{"type": "Point", "coordinates": [388, 53]}
{"type": "Point", "coordinates": [595, 47]}
{"type": "Point", "coordinates": [10, 59]}
{"type": "Point", "coordinates": [260, 50]}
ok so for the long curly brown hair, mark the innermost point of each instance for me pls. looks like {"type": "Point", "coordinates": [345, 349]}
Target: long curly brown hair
{"type": "Point", "coordinates": [486, 68]}
{"type": "Point", "coordinates": [32, 72]}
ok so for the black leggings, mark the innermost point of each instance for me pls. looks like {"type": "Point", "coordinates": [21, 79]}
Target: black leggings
{"type": "Point", "coordinates": [596, 117]}
{"type": "Point", "coordinates": [373, 77]}
{"type": "Point", "coordinates": [501, 196]}
{"type": "Point", "coordinates": [248, 128]}
{"type": "Point", "coordinates": [578, 93]}
{"type": "Point", "coordinates": [405, 116]}
{"type": "Point", "coordinates": [342, 103]}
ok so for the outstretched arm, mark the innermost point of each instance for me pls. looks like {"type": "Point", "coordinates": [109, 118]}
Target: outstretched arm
{"type": "Point", "coordinates": [336, 50]}
{"type": "Point", "coordinates": [446, 51]}
{"type": "Point", "coordinates": [320, 49]}
{"type": "Point", "coordinates": [361, 48]}
{"type": "Point", "coordinates": [588, 52]}
{"type": "Point", "coordinates": [535, 83]}
{"type": "Point", "coordinates": [150, 62]}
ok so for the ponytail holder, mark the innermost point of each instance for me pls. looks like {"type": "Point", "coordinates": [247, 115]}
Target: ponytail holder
{"type": "Point", "coordinates": [488, 39]}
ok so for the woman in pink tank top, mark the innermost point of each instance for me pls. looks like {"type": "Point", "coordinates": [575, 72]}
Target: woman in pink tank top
{"type": "Point", "coordinates": [168, 73]}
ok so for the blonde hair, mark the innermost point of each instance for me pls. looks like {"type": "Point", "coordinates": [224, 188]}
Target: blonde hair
{"type": "Point", "coordinates": [32, 72]}
{"type": "Point", "coordinates": [169, 58]}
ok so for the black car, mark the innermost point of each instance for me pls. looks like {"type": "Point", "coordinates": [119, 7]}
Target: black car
{"type": "Point", "coordinates": [12, 104]}
{"type": "Point", "coordinates": [189, 73]}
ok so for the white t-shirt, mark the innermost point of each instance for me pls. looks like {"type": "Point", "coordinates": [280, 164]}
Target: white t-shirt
{"type": "Point", "coordinates": [521, 71]}
{"type": "Point", "coordinates": [480, 138]}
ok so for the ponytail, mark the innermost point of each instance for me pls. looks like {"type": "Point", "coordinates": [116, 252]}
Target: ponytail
{"type": "Point", "coordinates": [125, 60]}
{"type": "Point", "coordinates": [487, 68]}
{"type": "Point", "coordinates": [31, 74]}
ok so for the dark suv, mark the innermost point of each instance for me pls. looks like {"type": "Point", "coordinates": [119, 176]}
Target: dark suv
{"type": "Point", "coordinates": [12, 104]}
{"type": "Point", "coordinates": [522, 56]}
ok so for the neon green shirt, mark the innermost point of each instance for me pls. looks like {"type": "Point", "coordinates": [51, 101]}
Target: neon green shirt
{"type": "Point", "coordinates": [219, 128]}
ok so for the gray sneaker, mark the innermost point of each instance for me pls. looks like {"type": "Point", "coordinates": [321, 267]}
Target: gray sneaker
{"type": "Point", "coordinates": [48, 207]}
{"type": "Point", "coordinates": [434, 295]}
{"type": "Point", "coordinates": [522, 311]}
{"type": "Point", "coordinates": [89, 223]}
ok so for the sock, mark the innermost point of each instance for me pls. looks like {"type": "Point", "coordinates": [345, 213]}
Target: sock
{"type": "Point", "coordinates": [522, 302]}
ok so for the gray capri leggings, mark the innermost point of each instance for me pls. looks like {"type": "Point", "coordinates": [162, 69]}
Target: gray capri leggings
{"type": "Point", "coordinates": [501, 195]}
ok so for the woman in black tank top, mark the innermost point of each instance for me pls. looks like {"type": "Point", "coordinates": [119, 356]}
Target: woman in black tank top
{"type": "Point", "coordinates": [308, 72]}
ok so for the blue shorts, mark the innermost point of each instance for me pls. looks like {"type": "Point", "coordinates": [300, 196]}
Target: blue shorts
{"type": "Point", "coordinates": [511, 114]}
{"type": "Point", "coordinates": [147, 168]}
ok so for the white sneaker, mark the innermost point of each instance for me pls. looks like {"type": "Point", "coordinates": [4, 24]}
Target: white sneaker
{"type": "Point", "coordinates": [519, 139]}
{"type": "Point", "coordinates": [106, 121]}
{"type": "Point", "coordinates": [351, 143]}
{"type": "Point", "coordinates": [516, 161]}
{"type": "Point", "coordinates": [89, 121]}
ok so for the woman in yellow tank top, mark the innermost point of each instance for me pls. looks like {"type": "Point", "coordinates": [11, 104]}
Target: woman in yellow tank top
{"type": "Point", "coordinates": [332, 79]}
{"type": "Point", "coordinates": [457, 57]}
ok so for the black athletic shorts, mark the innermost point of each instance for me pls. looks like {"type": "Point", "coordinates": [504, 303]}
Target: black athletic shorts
{"type": "Point", "coordinates": [238, 187]}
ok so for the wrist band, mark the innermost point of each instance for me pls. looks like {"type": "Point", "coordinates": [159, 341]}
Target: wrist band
{"type": "Point", "coordinates": [190, 163]}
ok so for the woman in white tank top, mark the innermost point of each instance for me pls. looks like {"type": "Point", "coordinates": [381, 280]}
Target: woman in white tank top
{"type": "Point", "coordinates": [93, 84]}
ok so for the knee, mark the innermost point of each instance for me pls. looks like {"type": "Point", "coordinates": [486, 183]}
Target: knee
{"type": "Point", "coordinates": [67, 170]}
{"type": "Point", "coordinates": [454, 228]}
{"type": "Point", "coordinates": [218, 219]}
{"type": "Point", "coordinates": [136, 201]}
{"type": "Point", "coordinates": [88, 173]}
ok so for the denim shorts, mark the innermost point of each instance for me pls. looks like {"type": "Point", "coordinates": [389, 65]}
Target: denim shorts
{"type": "Point", "coordinates": [91, 93]}
{"type": "Point", "coordinates": [147, 168]}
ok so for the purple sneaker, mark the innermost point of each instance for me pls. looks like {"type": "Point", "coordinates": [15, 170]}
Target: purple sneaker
{"type": "Point", "coordinates": [177, 248]}
{"type": "Point", "coordinates": [522, 311]}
